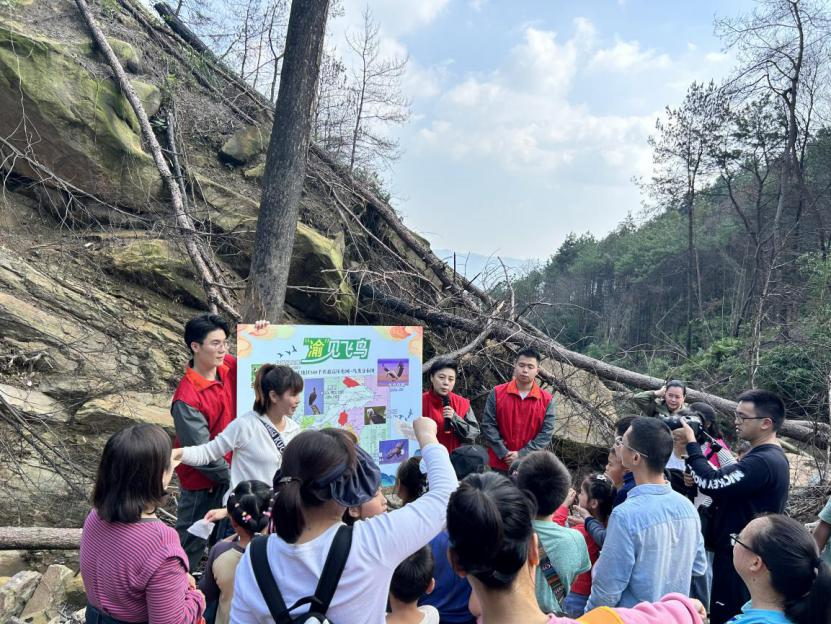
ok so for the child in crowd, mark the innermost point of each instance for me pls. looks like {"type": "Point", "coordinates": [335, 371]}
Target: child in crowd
{"type": "Point", "coordinates": [412, 579]}
{"type": "Point", "coordinates": [410, 482]}
{"type": "Point", "coordinates": [248, 514]}
{"type": "Point", "coordinates": [133, 567]}
{"type": "Point", "coordinates": [375, 506]}
{"type": "Point", "coordinates": [451, 594]}
{"type": "Point", "coordinates": [563, 552]}
{"type": "Point", "coordinates": [487, 509]}
{"type": "Point", "coordinates": [593, 502]}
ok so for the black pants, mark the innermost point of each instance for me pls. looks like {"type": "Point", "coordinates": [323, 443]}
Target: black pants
{"type": "Point", "coordinates": [94, 616]}
{"type": "Point", "coordinates": [729, 592]}
{"type": "Point", "coordinates": [193, 505]}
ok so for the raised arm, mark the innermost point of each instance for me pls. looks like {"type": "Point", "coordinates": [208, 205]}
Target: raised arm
{"type": "Point", "coordinates": [214, 450]}
{"type": "Point", "coordinates": [396, 535]}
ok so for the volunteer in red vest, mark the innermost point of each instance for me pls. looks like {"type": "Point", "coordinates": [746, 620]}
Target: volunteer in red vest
{"type": "Point", "coordinates": [204, 403]}
{"type": "Point", "coordinates": [456, 422]}
{"type": "Point", "coordinates": [519, 415]}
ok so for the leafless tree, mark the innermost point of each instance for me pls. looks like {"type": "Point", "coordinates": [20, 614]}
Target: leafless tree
{"type": "Point", "coordinates": [375, 97]}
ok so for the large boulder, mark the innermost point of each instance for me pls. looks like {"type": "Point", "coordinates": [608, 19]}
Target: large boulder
{"type": "Point", "coordinates": [33, 403]}
{"type": "Point", "coordinates": [76, 123]}
{"type": "Point", "coordinates": [16, 592]}
{"type": "Point", "coordinates": [112, 412]}
{"type": "Point", "coordinates": [317, 261]}
{"type": "Point", "coordinates": [156, 264]}
{"type": "Point", "coordinates": [48, 597]}
{"type": "Point", "coordinates": [245, 145]}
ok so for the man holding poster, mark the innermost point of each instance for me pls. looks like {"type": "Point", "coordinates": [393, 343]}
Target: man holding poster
{"type": "Point", "coordinates": [519, 415]}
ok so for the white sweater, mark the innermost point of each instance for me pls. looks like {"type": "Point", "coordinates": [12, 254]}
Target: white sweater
{"type": "Point", "coordinates": [379, 544]}
{"type": "Point", "coordinates": [255, 454]}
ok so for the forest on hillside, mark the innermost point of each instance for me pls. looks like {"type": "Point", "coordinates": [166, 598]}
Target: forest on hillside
{"type": "Point", "coordinates": [724, 279]}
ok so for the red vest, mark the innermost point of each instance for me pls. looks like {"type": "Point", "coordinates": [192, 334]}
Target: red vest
{"type": "Point", "coordinates": [217, 400]}
{"type": "Point", "coordinates": [432, 406]}
{"type": "Point", "coordinates": [519, 420]}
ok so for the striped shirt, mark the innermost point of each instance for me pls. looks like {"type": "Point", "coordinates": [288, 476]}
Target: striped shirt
{"type": "Point", "coordinates": [137, 572]}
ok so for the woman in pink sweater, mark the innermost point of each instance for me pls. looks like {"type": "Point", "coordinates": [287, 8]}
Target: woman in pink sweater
{"type": "Point", "coordinates": [133, 567]}
{"type": "Point", "coordinates": [493, 544]}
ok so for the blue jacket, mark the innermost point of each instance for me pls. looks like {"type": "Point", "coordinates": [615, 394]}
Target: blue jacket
{"type": "Point", "coordinates": [653, 547]}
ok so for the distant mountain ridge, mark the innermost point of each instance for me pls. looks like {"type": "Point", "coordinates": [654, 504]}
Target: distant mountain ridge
{"type": "Point", "coordinates": [478, 267]}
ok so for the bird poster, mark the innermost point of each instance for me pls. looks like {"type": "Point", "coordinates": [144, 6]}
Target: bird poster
{"type": "Point", "coordinates": [354, 377]}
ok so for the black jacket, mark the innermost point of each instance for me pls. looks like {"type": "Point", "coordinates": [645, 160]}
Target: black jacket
{"type": "Point", "coordinates": [757, 484]}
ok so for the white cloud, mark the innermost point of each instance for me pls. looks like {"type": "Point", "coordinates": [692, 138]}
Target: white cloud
{"type": "Point", "coordinates": [477, 5]}
{"type": "Point", "coordinates": [519, 115]}
{"type": "Point", "coordinates": [625, 55]}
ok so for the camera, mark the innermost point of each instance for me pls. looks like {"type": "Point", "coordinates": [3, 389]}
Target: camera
{"type": "Point", "coordinates": [692, 418]}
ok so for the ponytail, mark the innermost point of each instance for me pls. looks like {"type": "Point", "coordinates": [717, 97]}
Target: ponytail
{"type": "Point", "coordinates": [274, 377]}
{"type": "Point", "coordinates": [599, 487]}
{"type": "Point", "coordinates": [815, 606]}
{"type": "Point", "coordinates": [307, 460]}
{"type": "Point", "coordinates": [797, 572]}
{"type": "Point", "coordinates": [248, 506]}
{"type": "Point", "coordinates": [489, 525]}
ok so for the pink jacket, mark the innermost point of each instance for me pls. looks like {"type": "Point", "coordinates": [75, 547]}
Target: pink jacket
{"type": "Point", "coordinates": [672, 609]}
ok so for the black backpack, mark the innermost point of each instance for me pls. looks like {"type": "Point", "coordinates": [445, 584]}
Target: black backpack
{"type": "Point", "coordinates": [326, 586]}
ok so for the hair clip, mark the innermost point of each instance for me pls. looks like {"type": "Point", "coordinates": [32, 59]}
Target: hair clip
{"type": "Point", "coordinates": [290, 479]}
{"type": "Point", "coordinates": [267, 514]}
{"type": "Point", "coordinates": [601, 477]}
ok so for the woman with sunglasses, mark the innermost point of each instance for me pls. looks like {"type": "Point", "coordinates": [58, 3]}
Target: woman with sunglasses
{"type": "Point", "coordinates": [779, 562]}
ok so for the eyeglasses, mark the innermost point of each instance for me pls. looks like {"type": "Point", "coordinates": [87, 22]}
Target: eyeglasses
{"type": "Point", "coordinates": [619, 442]}
{"type": "Point", "coordinates": [742, 417]}
{"type": "Point", "coordinates": [734, 539]}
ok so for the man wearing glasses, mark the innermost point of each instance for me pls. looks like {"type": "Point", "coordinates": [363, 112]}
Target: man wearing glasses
{"type": "Point", "coordinates": [756, 484]}
{"type": "Point", "coordinates": [653, 545]}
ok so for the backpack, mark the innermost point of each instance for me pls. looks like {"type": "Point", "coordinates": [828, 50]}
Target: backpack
{"type": "Point", "coordinates": [326, 586]}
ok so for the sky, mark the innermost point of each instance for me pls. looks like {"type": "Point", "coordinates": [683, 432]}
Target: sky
{"type": "Point", "coordinates": [530, 118]}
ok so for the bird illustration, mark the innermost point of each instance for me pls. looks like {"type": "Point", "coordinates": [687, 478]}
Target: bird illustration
{"type": "Point", "coordinates": [397, 374]}
{"type": "Point", "coordinates": [293, 349]}
{"type": "Point", "coordinates": [396, 451]}
{"type": "Point", "coordinates": [312, 399]}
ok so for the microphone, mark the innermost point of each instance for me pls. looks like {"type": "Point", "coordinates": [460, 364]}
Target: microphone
{"type": "Point", "coordinates": [445, 401]}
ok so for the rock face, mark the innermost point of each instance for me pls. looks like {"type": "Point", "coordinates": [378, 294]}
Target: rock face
{"type": "Point", "coordinates": [85, 132]}
{"type": "Point", "coordinates": [16, 592]}
{"type": "Point", "coordinates": [49, 595]}
{"type": "Point", "coordinates": [245, 145]}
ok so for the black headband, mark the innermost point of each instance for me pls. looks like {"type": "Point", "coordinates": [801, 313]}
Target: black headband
{"type": "Point", "coordinates": [349, 488]}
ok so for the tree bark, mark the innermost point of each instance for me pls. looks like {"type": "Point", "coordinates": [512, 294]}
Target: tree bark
{"type": "Point", "coordinates": [39, 538]}
{"type": "Point", "coordinates": [285, 166]}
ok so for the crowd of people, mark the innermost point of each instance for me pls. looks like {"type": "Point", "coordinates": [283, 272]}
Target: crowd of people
{"type": "Point", "coordinates": [676, 529]}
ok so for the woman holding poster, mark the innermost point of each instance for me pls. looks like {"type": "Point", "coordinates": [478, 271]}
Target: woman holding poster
{"type": "Point", "coordinates": [453, 415]}
{"type": "Point", "coordinates": [258, 437]}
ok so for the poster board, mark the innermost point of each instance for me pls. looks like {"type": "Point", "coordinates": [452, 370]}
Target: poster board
{"type": "Point", "coordinates": [366, 379]}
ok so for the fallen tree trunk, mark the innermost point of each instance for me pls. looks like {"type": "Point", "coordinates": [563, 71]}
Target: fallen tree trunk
{"type": "Point", "coordinates": [194, 247]}
{"type": "Point", "coordinates": [501, 329]}
{"type": "Point", "coordinates": [179, 27]}
{"type": "Point", "coordinates": [39, 538]}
